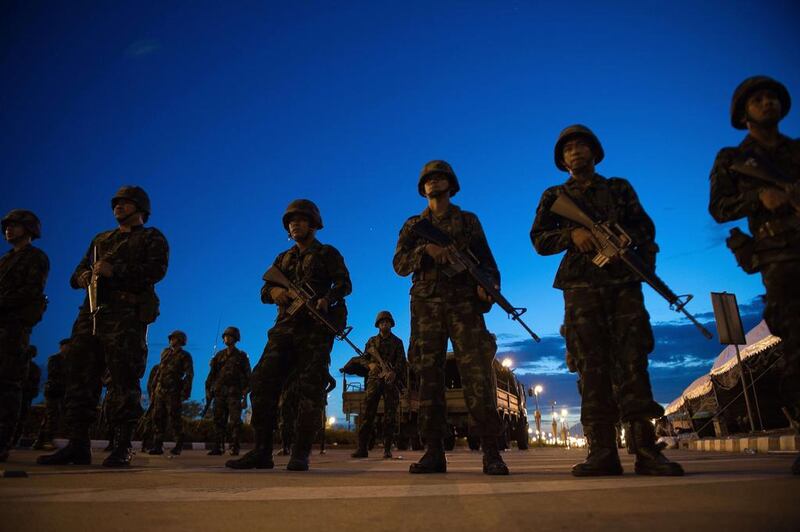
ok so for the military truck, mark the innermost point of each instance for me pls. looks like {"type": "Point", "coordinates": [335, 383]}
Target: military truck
{"type": "Point", "coordinates": [510, 406]}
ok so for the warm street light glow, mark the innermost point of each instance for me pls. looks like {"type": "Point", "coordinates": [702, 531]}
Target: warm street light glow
{"type": "Point", "coordinates": [564, 412]}
{"type": "Point", "coordinates": [331, 421]}
{"type": "Point", "coordinates": [507, 362]}
{"type": "Point", "coordinates": [538, 389]}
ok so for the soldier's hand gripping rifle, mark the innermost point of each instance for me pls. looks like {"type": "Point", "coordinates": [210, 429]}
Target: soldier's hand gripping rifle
{"type": "Point", "coordinates": [761, 170]}
{"type": "Point", "coordinates": [94, 305]}
{"type": "Point", "coordinates": [461, 261]}
{"type": "Point", "coordinates": [209, 399]}
{"type": "Point", "coordinates": [388, 374]}
{"type": "Point", "coordinates": [614, 243]}
{"type": "Point", "coordinates": [304, 298]}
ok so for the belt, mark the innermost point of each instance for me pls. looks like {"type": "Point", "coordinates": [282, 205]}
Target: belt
{"type": "Point", "coordinates": [778, 227]}
{"type": "Point", "coordinates": [123, 297]}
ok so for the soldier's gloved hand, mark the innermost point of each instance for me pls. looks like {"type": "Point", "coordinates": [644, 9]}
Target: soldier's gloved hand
{"type": "Point", "coordinates": [483, 296]}
{"type": "Point", "coordinates": [583, 240]}
{"type": "Point", "coordinates": [103, 268]}
{"type": "Point", "coordinates": [439, 254]}
{"type": "Point", "coordinates": [85, 279]}
{"type": "Point", "coordinates": [280, 295]}
{"type": "Point", "coordinates": [772, 198]}
{"type": "Point", "coordinates": [322, 305]}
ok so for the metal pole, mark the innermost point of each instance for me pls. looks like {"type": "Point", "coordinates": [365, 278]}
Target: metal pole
{"type": "Point", "coordinates": [744, 390]}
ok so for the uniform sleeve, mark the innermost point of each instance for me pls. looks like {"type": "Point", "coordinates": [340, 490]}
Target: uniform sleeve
{"type": "Point", "coordinates": [85, 265]}
{"type": "Point", "coordinates": [400, 366]}
{"type": "Point", "coordinates": [409, 252]}
{"type": "Point", "coordinates": [29, 285]}
{"type": "Point", "coordinates": [479, 246]}
{"type": "Point", "coordinates": [212, 374]}
{"type": "Point", "coordinates": [246, 372]}
{"type": "Point", "coordinates": [188, 377]}
{"type": "Point", "coordinates": [150, 270]}
{"type": "Point", "coordinates": [637, 222]}
{"type": "Point", "coordinates": [549, 234]}
{"type": "Point", "coordinates": [727, 202]}
{"type": "Point", "coordinates": [340, 276]}
{"type": "Point", "coordinates": [266, 298]}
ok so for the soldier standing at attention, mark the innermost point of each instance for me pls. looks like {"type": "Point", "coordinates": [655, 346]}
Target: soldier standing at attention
{"type": "Point", "coordinates": [605, 320]}
{"type": "Point", "coordinates": [297, 354]}
{"type": "Point", "coordinates": [23, 275]}
{"type": "Point", "coordinates": [390, 349]}
{"type": "Point", "coordinates": [126, 262]}
{"type": "Point", "coordinates": [443, 308]}
{"type": "Point", "coordinates": [759, 180]}
{"type": "Point", "coordinates": [228, 383]}
{"type": "Point", "coordinates": [173, 386]}
{"type": "Point", "coordinates": [30, 390]}
{"type": "Point", "coordinates": [53, 397]}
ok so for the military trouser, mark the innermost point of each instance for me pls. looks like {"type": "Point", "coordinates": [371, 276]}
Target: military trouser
{"type": "Point", "coordinates": [782, 314]}
{"type": "Point", "coordinates": [228, 414]}
{"type": "Point", "coordinates": [167, 410]}
{"type": "Point", "coordinates": [119, 347]}
{"type": "Point", "coordinates": [296, 358]}
{"type": "Point", "coordinates": [377, 387]}
{"type": "Point", "coordinates": [53, 406]}
{"type": "Point", "coordinates": [608, 331]}
{"type": "Point", "coordinates": [14, 363]}
{"type": "Point", "coordinates": [288, 414]}
{"type": "Point", "coordinates": [432, 323]}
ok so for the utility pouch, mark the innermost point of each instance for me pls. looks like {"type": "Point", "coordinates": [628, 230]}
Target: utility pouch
{"type": "Point", "coordinates": [148, 307]}
{"type": "Point", "coordinates": [743, 247]}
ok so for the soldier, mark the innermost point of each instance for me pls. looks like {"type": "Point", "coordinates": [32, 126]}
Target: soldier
{"type": "Point", "coordinates": [145, 426]}
{"type": "Point", "coordinates": [759, 179]}
{"type": "Point", "coordinates": [298, 347]}
{"type": "Point", "coordinates": [173, 386]}
{"type": "Point", "coordinates": [30, 390]}
{"type": "Point", "coordinates": [53, 397]}
{"type": "Point", "coordinates": [444, 307]}
{"type": "Point", "coordinates": [23, 275]}
{"type": "Point", "coordinates": [228, 383]}
{"type": "Point", "coordinates": [605, 319]}
{"type": "Point", "coordinates": [126, 263]}
{"type": "Point", "coordinates": [390, 349]}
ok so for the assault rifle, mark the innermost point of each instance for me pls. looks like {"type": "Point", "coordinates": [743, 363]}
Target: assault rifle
{"type": "Point", "coordinates": [461, 261]}
{"type": "Point", "coordinates": [614, 243]}
{"type": "Point", "coordinates": [386, 370]}
{"type": "Point", "coordinates": [758, 169]}
{"type": "Point", "coordinates": [304, 297]}
{"type": "Point", "coordinates": [94, 305]}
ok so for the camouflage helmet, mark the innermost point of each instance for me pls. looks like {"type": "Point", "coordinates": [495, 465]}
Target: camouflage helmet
{"type": "Point", "coordinates": [26, 219]}
{"type": "Point", "coordinates": [180, 335]}
{"type": "Point", "coordinates": [438, 167]}
{"type": "Point", "coordinates": [232, 332]}
{"type": "Point", "coordinates": [577, 130]}
{"type": "Point", "coordinates": [384, 315]}
{"type": "Point", "coordinates": [306, 207]}
{"type": "Point", "coordinates": [747, 88]}
{"type": "Point", "coordinates": [135, 194]}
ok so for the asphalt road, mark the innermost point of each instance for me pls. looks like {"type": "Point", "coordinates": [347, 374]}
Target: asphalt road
{"type": "Point", "coordinates": [195, 492]}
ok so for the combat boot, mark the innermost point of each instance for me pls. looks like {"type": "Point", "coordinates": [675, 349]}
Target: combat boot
{"type": "Point", "coordinates": [493, 463]}
{"type": "Point", "coordinates": [78, 452]}
{"type": "Point", "coordinates": [43, 439]}
{"type": "Point", "coordinates": [217, 448]}
{"type": "Point", "coordinates": [122, 453]}
{"type": "Point", "coordinates": [603, 457]}
{"type": "Point", "coordinates": [387, 448]}
{"type": "Point", "coordinates": [299, 460]}
{"type": "Point", "coordinates": [361, 451]}
{"type": "Point", "coordinates": [433, 461]}
{"type": "Point", "coordinates": [175, 451]}
{"type": "Point", "coordinates": [260, 457]}
{"type": "Point", "coordinates": [649, 459]}
{"type": "Point", "coordinates": [158, 446]}
{"type": "Point", "coordinates": [110, 436]}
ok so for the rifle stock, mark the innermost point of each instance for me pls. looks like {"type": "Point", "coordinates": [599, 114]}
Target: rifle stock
{"type": "Point", "coordinates": [614, 242]}
{"type": "Point", "coordinates": [461, 261]}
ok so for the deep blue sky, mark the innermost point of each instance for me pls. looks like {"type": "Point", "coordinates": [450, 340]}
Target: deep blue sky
{"type": "Point", "coordinates": [226, 114]}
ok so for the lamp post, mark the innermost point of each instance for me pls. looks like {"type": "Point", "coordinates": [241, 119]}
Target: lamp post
{"type": "Point", "coordinates": [537, 416]}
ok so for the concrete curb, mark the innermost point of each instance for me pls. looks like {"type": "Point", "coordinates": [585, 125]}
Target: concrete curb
{"type": "Point", "coordinates": [760, 444]}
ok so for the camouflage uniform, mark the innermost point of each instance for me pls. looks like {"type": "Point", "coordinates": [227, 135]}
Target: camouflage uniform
{"type": "Point", "coordinates": [23, 275]}
{"type": "Point", "coordinates": [30, 390]}
{"type": "Point", "coordinates": [776, 234]}
{"type": "Point", "coordinates": [228, 382]}
{"type": "Point", "coordinates": [146, 428]}
{"type": "Point", "coordinates": [445, 308]}
{"type": "Point", "coordinates": [392, 352]}
{"type": "Point", "coordinates": [53, 398]}
{"type": "Point", "coordinates": [297, 353]}
{"type": "Point", "coordinates": [607, 328]}
{"type": "Point", "coordinates": [173, 386]}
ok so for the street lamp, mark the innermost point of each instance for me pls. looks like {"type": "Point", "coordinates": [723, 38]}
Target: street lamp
{"type": "Point", "coordinates": [507, 362]}
{"type": "Point", "coordinates": [538, 414]}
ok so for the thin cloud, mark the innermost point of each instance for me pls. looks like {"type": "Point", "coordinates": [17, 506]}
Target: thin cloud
{"type": "Point", "coordinates": [142, 48]}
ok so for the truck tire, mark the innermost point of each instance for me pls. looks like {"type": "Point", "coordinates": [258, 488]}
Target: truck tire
{"type": "Point", "coordinates": [522, 436]}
